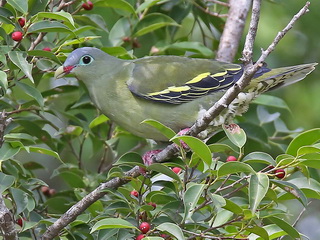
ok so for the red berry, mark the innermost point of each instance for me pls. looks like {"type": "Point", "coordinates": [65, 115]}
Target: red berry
{"type": "Point", "coordinates": [165, 236]}
{"type": "Point", "coordinates": [280, 173]}
{"type": "Point", "coordinates": [139, 237]}
{"type": "Point", "coordinates": [52, 192]}
{"type": "Point", "coordinates": [134, 193]}
{"type": "Point", "coordinates": [45, 190]}
{"type": "Point", "coordinates": [177, 170]}
{"type": "Point", "coordinates": [144, 227]}
{"type": "Point", "coordinates": [126, 39]}
{"type": "Point", "coordinates": [231, 159]}
{"type": "Point", "coordinates": [46, 49]}
{"type": "Point", "coordinates": [17, 36]}
{"type": "Point", "coordinates": [152, 204]}
{"type": "Point", "coordinates": [22, 21]}
{"type": "Point", "coordinates": [20, 222]}
{"type": "Point", "coordinates": [88, 5]}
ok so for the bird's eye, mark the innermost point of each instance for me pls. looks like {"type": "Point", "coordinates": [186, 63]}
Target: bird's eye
{"type": "Point", "coordinates": [85, 60]}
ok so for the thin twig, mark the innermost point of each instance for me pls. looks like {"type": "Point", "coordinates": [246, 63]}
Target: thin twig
{"type": "Point", "coordinates": [220, 3]}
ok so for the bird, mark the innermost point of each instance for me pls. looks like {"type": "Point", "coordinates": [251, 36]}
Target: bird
{"type": "Point", "coordinates": [173, 90]}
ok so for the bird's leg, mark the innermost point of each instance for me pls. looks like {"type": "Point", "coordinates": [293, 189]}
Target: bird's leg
{"type": "Point", "coordinates": [148, 156]}
{"type": "Point", "coordinates": [181, 133]}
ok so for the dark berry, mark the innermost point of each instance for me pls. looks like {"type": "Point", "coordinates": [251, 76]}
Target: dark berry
{"type": "Point", "coordinates": [280, 173]}
{"type": "Point", "coordinates": [45, 190]}
{"type": "Point", "coordinates": [22, 21]}
{"type": "Point", "coordinates": [88, 5]}
{"type": "Point", "coordinates": [152, 204]}
{"type": "Point", "coordinates": [19, 222]}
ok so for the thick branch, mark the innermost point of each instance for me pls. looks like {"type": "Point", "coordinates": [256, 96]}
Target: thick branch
{"type": "Point", "coordinates": [198, 127]}
{"type": "Point", "coordinates": [233, 30]}
{"type": "Point", "coordinates": [7, 225]}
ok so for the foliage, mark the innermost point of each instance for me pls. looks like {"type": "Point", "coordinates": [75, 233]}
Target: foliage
{"type": "Point", "coordinates": [54, 121]}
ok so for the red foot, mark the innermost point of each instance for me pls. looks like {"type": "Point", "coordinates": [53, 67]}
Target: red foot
{"type": "Point", "coordinates": [147, 157]}
{"type": "Point", "coordinates": [181, 133]}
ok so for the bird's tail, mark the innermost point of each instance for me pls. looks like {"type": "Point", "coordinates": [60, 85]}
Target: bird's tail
{"type": "Point", "coordinates": [280, 77]}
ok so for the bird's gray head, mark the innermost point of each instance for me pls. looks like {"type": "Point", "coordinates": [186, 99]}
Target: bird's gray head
{"type": "Point", "coordinates": [83, 62]}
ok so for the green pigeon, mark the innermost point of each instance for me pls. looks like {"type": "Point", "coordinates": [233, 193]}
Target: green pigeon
{"type": "Point", "coordinates": [173, 90]}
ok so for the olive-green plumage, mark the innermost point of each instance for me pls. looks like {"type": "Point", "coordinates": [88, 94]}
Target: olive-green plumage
{"type": "Point", "coordinates": [170, 89]}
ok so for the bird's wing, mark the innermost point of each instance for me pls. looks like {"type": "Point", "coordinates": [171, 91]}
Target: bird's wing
{"type": "Point", "coordinates": [176, 80]}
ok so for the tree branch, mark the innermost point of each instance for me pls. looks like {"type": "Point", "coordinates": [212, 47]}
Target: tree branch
{"type": "Point", "coordinates": [233, 30]}
{"type": "Point", "coordinates": [200, 125]}
{"type": "Point", "coordinates": [7, 225]}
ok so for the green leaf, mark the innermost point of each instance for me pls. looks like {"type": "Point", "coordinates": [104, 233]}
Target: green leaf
{"type": "Point", "coordinates": [173, 229]}
{"type": "Point", "coordinates": [7, 151]}
{"type": "Point", "coordinates": [36, 6]}
{"type": "Point", "coordinates": [98, 120]}
{"type": "Point", "coordinates": [19, 5]}
{"type": "Point", "coordinates": [147, 4]}
{"type": "Point", "coordinates": [64, 16]}
{"type": "Point", "coordinates": [161, 198]}
{"type": "Point", "coordinates": [310, 187]}
{"type": "Point", "coordinates": [292, 189]}
{"type": "Point", "coordinates": [271, 101]}
{"type": "Point", "coordinates": [73, 178]}
{"type": "Point", "coordinates": [3, 81]}
{"type": "Point", "coordinates": [130, 158]}
{"type": "Point", "coordinates": [235, 134]}
{"type": "Point", "coordinates": [19, 136]}
{"type": "Point", "coordinates": [222, 217]}
{"type": "Point", "coordinates": [291, 231]}
{"type": "Point", "coordinates": [258, 231]}
{"type": "Point", "coordinates": [32, 92]}
{"type": "Point", "coordinates": [196, 47]}
{"type": "Point", "coordinates": [77, 41]}
{"type": "Point", "coordinates": [233, 207]}
{"type": "Point", "coordinates": [20, 199]}
{"type": "Point", "coordinates": [234, 167]}
{"type": "Point", "coordinates": [158, 167]}
{"type": "Point", "coordinates": [48, 26]}
{"type": "Point", "coordinates": [307, 150]}
{"type": "Point", "coordinates": [153, 22]}
{"type": "Point", "coordinates": [281, 127]}
{"type": "Point", "coordinates": [166, 131]}
{"type": "Point", "coordinates": [191, 198]}
{"type": "Point", "coordinates": [117, 4]}
{"type": "Point", "coordinates": [218, 147]}
{"type": "Point", "coordinates": [306, 138]}
{"type": "Point", "coordinates": [19, 59]}
{"type": "Point", "coordinates": [5, 15]}
{"type": "Point", "coordinates": [6, 181]}
{"type": "Point", "coordinates": [258, 187]}
{"type": "Point", "coordinates": [111, 223]}
{"type": "Point", "coordinates": [266, 117]}
{"type": "Point", "coordinates": [259, 157]}
{"type": "Point", "coordinates": [198, 147]}
{"type": "Point", "coordinates": [45, 54]}
{"type": "Point", "coordinates": [43, 151]}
